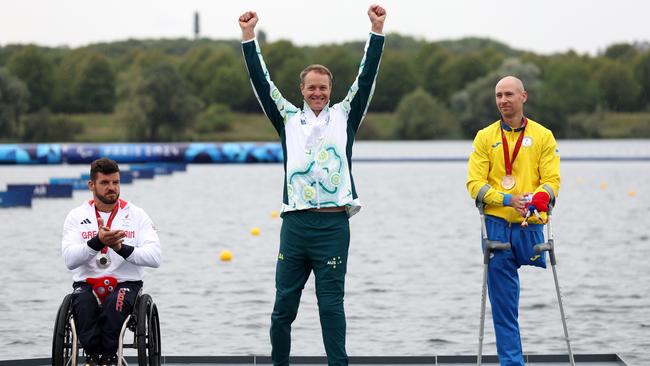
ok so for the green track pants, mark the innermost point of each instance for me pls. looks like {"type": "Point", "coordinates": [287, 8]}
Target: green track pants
{"type": "Point", "coordinates": [317, 241]}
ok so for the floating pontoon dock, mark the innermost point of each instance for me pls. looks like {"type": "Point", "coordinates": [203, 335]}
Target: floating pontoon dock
{"type": "Point", "coordinates": [531, 360]}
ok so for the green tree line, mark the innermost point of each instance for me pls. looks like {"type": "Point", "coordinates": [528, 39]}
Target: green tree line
{"type": "Point", "coordinates": [175, 89]}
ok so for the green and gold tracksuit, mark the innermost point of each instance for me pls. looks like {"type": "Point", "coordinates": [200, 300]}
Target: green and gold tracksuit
{"type": "Point", "coordinates": [311, 241]}
{"type": "Point", "coordinates": [318, 174]}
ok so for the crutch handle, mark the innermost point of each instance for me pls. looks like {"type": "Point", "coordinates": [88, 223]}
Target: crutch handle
{"type": "Point", "coordinates": [491, 246]}
{"type": "Point", "coordinates": [497, 245]}
{"type": "Point", "coordinates": [547, 247]}
{"type": "Point", "coordinates": [544, 247]}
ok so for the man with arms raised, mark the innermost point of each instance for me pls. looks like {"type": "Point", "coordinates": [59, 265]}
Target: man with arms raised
{"type": "Point", "coordinates": [319, 193]}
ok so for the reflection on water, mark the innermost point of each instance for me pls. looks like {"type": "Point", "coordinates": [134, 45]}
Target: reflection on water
{"type": "Point", "coordinates": [413, 285]}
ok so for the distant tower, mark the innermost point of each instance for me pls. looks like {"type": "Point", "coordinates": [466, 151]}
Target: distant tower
{"type": "Point", "coordinates": [261, 36]}
{"type": "Point", "coordinates": [197, 26]}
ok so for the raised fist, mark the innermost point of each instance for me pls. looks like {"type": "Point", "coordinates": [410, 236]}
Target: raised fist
{"type": "Point", "coordinates": [248, 20]}
{"type": "Point", "coordinates": [377, 16]}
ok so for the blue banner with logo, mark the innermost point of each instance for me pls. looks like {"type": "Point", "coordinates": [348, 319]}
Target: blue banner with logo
{"type": "Point", "coordinates": [220, 153]}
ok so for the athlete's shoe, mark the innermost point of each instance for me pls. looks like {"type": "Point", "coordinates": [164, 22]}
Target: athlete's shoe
{"type": "Point", "coordinates": [108, 360]}
{"type": "Point", "coordinates": [92, 360]}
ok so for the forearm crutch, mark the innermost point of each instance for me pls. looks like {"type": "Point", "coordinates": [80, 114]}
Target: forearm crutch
{"type": "Point", "coordinates": [488, 248]}
{"type": "Point", "coordinates": [549, 247]}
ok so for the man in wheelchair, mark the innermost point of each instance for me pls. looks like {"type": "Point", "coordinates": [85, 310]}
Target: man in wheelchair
{"type": "Point", "coordinates": [106, 244]}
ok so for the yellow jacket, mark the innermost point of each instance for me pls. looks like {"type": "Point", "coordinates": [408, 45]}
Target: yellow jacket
{"type": "Point", "coordinates": [537, 164]}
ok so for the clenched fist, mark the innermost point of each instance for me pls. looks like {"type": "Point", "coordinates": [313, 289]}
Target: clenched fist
{"type": "Point", "coordinates": [247, 22]}
{"type": "Point", "coordinates": [377, 16]}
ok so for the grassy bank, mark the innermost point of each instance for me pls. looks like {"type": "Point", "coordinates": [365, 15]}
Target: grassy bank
{"type": "Point", "coordinates": [245, 127]}
{"type": "Point", "coordinates": [610, 125]}
{"type": "Point", "coordinates": [376, 126]}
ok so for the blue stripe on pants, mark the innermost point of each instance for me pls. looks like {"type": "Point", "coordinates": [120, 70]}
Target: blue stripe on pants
{"type": "Point", "coordinates": [503, 284]}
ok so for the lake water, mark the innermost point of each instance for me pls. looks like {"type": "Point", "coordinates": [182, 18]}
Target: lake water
{"type": "Point", "coordinates": [415, 264]}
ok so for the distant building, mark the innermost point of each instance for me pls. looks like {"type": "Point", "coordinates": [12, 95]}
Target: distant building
{"type": "Point", "coordinates": [197, 26]}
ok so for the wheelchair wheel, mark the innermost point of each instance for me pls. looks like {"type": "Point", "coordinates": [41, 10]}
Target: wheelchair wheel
{"type": "Point", "coordinates": [148, 332]}
{"type": "Point", "coordinates": [64, 347]}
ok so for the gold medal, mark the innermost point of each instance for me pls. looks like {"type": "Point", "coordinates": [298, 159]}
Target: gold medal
{"type": "Point", "coordinates": [508, 182]}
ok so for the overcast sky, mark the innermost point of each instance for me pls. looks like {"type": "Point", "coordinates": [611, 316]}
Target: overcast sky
{"type": "Point", "coordinates": [543, 26]}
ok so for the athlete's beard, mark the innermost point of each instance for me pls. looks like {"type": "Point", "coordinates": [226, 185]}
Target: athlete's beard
{"type": "Point", "coordinates": [106, 200]}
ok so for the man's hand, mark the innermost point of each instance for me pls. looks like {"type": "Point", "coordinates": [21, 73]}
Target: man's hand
{"type": "Point", "coordinates": [518, 202]}
{"type": "Point", "coordinates": [110, 238]}
{"type": "Point", "coordinates": [377, 16]}
{"type": "Point", "coordinates": [247, 22]}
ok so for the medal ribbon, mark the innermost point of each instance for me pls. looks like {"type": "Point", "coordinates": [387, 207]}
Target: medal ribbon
{"type": "Point", "coordinates": [506, 149]}
{"type": "Point", "coordinates": [108, 224]}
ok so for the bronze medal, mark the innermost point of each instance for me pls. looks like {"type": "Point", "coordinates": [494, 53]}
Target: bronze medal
{"type": "Point", "coordinates": [508, 182]}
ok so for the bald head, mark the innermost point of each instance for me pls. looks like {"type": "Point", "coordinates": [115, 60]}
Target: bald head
{"type": "Point", "coordinates": [512, 82]}
{"type": "Point", "coordinates": [510, 97]}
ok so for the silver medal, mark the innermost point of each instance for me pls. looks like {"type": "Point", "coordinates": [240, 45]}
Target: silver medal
{"type": "Point", "coordinates": [103, 260]}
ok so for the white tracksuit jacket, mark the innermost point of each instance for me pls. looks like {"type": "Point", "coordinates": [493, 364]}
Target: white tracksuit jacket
{"type": "Point", "coordinates": [141, 247]}
{"type": "Point", "coordinates": [317, 149]}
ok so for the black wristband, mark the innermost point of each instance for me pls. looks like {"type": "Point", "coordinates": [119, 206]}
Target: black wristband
{"type": "Point", "coordinates": [95, 244]}
{"type": "Point", "coordinates": [125, 251]}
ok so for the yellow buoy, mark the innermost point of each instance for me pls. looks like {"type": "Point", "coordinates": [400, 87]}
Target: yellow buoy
{"type": "Point", "coordinates": [631, 193]}
{"type": "Point", "coordinates": [255, 231]}
{"type": "Point", "coordinates": [274, 214]}
{"type": "Point", "coordinates": [225, 255]}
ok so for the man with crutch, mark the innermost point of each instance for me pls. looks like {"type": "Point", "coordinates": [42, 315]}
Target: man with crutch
{"type": "Point", "coordinates": [513, 171]}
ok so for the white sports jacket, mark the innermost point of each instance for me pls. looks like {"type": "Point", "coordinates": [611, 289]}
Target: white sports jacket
{"type": "Point", "coordinates": [317, 149]}
{"type": "Point", "coordinates": [80, 245]}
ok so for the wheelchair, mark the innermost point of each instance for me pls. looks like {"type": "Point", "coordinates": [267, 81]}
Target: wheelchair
{"type": "Point", "coordinates": [143, 322]}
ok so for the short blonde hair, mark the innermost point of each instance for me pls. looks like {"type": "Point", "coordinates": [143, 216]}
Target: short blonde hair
{"type": "Point", "coordinates": [316, 68]}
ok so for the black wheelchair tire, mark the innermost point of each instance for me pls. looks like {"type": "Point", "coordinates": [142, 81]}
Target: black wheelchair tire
{"type": "Point", "coordinates": [148, 332]}
{"type": "Point", "coordinates": [154, 326]}
{"type": "Point", "coordinates": [62, 335]}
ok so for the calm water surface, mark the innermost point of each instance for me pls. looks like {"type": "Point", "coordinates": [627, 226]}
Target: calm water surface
{"type": "Point", "coordinates": [415, 265]}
